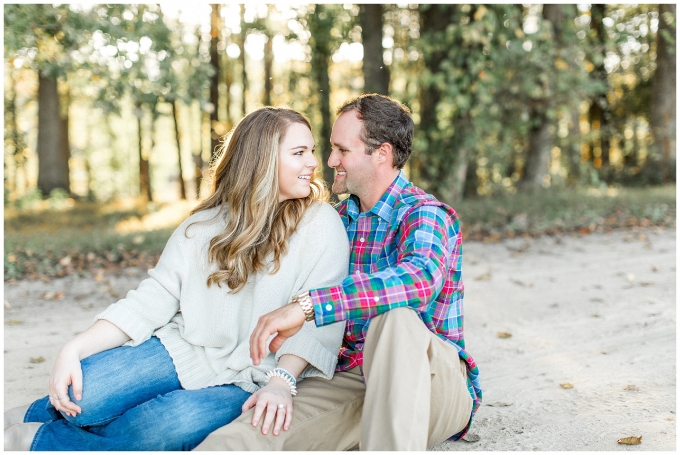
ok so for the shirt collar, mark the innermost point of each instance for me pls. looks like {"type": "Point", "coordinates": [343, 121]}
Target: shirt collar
{"type": "Point", "coordinates": [384, 207]}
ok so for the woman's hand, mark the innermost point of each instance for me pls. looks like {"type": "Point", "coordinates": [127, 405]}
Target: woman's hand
{"type": "Point", "coordinates": [67, 371]}
{"type": "Point", "coordinates": [273, 403]}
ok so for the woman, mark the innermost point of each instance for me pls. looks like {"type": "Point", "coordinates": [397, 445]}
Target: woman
{"type": "Point", "coordinates": [168, 364]}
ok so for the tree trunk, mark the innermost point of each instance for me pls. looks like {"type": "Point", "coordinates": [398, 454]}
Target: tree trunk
{"type": "Point", "coordinates": [65, 142]}
{"type": "Point", "coordinates": [432, 176]}
{"type": "Point", "coordinates": [242, 58]}
{"type": "Point", "coordinates": [538, 154]}
{"type": "Point", "coordinates": [599, 114]}
{"type": "Point", "coordinates": [540, 141]}
{"type": "Point", "coordinates": [53, 169]}
{"type": "Point", "coordinates": [453, 186]}
{"type": "Point", "coordinates": [15, 135]}
{"type": "Point", "coordinates": [662, 107]}
{"type": "Point", "coordinates": [228, 80]}
{"type": "Point", "coordinates": [321, 55]}
{"type": "Point", "coordinates": [268, 61]}
{"type": "Point", "coordinates": [376, 73]}
{"type": "Point", "coordinates": [144, 180]}
{"type": "Point", "coordinates": [215, 78]}
{"type": "Point", "coordinates": [182, 189]}
{"type": "Point", "coordinates": [574, 151]}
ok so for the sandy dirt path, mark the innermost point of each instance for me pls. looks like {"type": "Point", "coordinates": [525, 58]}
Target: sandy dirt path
{"type": "Point", "coordinates": [594, 312]}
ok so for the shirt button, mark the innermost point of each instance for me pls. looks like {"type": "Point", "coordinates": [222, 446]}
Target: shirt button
{"type": "Point", "coordinates": [349, 333]}
{"type": "Point", "coordinates": [376, 298]}
{"type": "Point", "coordinates": [358, 272]}
{"type": "Point", "coordinates": [329, 307]}
{"type": "Point", "coordinates": [362, 240]}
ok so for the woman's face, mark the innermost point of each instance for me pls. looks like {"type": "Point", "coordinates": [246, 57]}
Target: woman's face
{"type": "Point", "coordinates": [296, 162]}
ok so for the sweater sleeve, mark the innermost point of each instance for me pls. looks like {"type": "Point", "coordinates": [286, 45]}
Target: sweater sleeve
{"type": "Point", "coordinates": [156, 300]}
{"type": "Point", "coordinates": [326, 258]}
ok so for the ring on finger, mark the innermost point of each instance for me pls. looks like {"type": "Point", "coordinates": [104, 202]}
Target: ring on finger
{"type": "Point", "coordinates": [62, 397]}
{"type": "Point", "coordinates": [282, 406]}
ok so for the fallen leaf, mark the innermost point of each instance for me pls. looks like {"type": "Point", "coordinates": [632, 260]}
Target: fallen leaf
{"type": "Point", "coordinates": [37, 359]}
{"type": "Point", "coordinates": [53, 295]}
{"type": "Point", "coordinates": [521, 283]}
{"type": "Point", "coordinates": [13, 322]}
{"type": "Point", "coordinates": [7, 305]}
{"type": "Point", "coordinates": [654, 269]}
{"type": "Point", "coordinates": [66, 260]}
{"type": "Point", "coordinates": [631, 388]}
{"type": "Point", "coordinates": [11, 257]}
{"type": "Point", "coordinates": [503, 335]}
{"type": "Point", "coordinates": [484, 277]}
{"type": "Point", "coordinates": [631, 440]}
{"type": "Point", "coordinates": [471, 437]}
{"type": "Point", "coordinates": [499, 404]}
{"type": "Point", "coordinates": [567, 385]}
{"type": "Point", "coordinates": [646, 283]}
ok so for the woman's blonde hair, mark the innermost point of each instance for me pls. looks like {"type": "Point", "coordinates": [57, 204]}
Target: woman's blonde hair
{"type": "Point", "coordinates": [245, 183]}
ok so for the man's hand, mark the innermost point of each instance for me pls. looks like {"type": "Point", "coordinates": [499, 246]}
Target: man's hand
{"type": "Point", "coordinates": [285, 322]}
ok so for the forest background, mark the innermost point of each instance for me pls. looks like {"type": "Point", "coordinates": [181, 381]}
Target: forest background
{"type": "Point", "coordinates": [530, 119]}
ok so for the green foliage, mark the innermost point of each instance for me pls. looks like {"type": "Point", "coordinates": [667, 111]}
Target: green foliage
{"type": "Point", "coordinates": [560, 210]}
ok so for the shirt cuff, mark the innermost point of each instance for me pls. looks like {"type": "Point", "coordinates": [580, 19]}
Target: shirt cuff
{"type": "Point", "coordinates": [328, 305]}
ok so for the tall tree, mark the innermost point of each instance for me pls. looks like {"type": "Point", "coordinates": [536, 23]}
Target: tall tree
{"type": "Point", "coordinates": [599, 114]}
{"type": "Point", "coordinates": [215, 78]}
{"type": "Point", "coordinates": [242, 58]}
{"type": "Point", "coordinates": [376, 72]}
{"type": "Point", "coordinates": [180, 173]}
{"type": "Point", "coordinates": [662, 107]}
{"type": "Point", "coordinates": [144, 173]}
{"type": "Point", "coordinates": [320, 23]}
{"type": "Point", "coordinates": [540, 139]}
{"type": "Point", "coordinates": [54, 32]}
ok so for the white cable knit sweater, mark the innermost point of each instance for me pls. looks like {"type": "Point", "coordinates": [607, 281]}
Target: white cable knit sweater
{"type": "Point", "coordinates": [206, 330]}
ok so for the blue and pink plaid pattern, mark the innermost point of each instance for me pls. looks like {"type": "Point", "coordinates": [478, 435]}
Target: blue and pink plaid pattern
{"type": "Point", "coordinates": [406, 251]}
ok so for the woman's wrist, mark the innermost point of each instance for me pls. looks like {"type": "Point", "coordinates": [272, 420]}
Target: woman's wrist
{"type": "Point", "coordinates": [279, 383]}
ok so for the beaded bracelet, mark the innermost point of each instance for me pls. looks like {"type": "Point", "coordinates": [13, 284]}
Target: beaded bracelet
{"type": "Point", "coordinates": [286, 376]}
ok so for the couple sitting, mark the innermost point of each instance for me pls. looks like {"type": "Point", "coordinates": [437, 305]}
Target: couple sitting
{"type": "Point", "coordinates": [232, 342]}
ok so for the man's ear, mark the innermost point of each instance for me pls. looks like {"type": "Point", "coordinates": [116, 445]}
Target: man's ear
{"type": "Point", "coordinates": [384, 152]}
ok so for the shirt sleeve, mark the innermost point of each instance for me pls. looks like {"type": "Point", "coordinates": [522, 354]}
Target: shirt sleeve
{"type": "Point", "coordinates": [156, 300]}
{"type": "Point", "coordinates": [425, 246]}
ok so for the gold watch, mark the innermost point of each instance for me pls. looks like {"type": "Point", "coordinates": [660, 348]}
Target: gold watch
{"type": "Point", "coordinates": [305, 301]}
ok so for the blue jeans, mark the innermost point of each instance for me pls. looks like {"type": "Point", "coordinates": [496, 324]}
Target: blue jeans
{"type": "Point", "coordinates": [132, 400]}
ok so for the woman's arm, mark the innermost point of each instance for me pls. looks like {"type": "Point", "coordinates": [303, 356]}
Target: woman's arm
{"type": "Point", "coordinates": [102, 335]}
{"type": "Point", "coordinates": [267, 399]}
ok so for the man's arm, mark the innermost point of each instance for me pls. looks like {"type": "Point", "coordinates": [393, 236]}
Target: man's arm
{"type": "Point", "coordinates": [424, 246]}
{"type": "Point", "coordinates": [418, 276]}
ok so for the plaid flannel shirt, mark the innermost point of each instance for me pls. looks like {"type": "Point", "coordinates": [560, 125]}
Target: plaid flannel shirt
{"type": "Point", "coordinates": [406, 251]}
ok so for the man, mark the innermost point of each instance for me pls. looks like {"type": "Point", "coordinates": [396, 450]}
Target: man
{"type": "Point", "coordinates": [404, 380]}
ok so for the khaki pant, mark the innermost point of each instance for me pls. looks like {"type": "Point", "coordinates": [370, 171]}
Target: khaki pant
{"type": "Point", "coordinates": [415, 397]}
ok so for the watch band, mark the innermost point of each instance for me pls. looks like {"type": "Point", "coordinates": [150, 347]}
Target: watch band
{"type": "Point", "coordinates": [305, 301]}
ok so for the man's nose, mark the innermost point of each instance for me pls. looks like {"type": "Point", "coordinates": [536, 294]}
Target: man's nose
{"type": "Point", "coordinates": [333, 160]}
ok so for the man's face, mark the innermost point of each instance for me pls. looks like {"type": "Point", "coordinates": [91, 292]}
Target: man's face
{"type": "Point", "coordinates": [353, 167]}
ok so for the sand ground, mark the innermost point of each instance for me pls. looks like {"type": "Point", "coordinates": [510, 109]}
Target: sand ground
{"type": "Point", "coordinates": [591, 356]}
